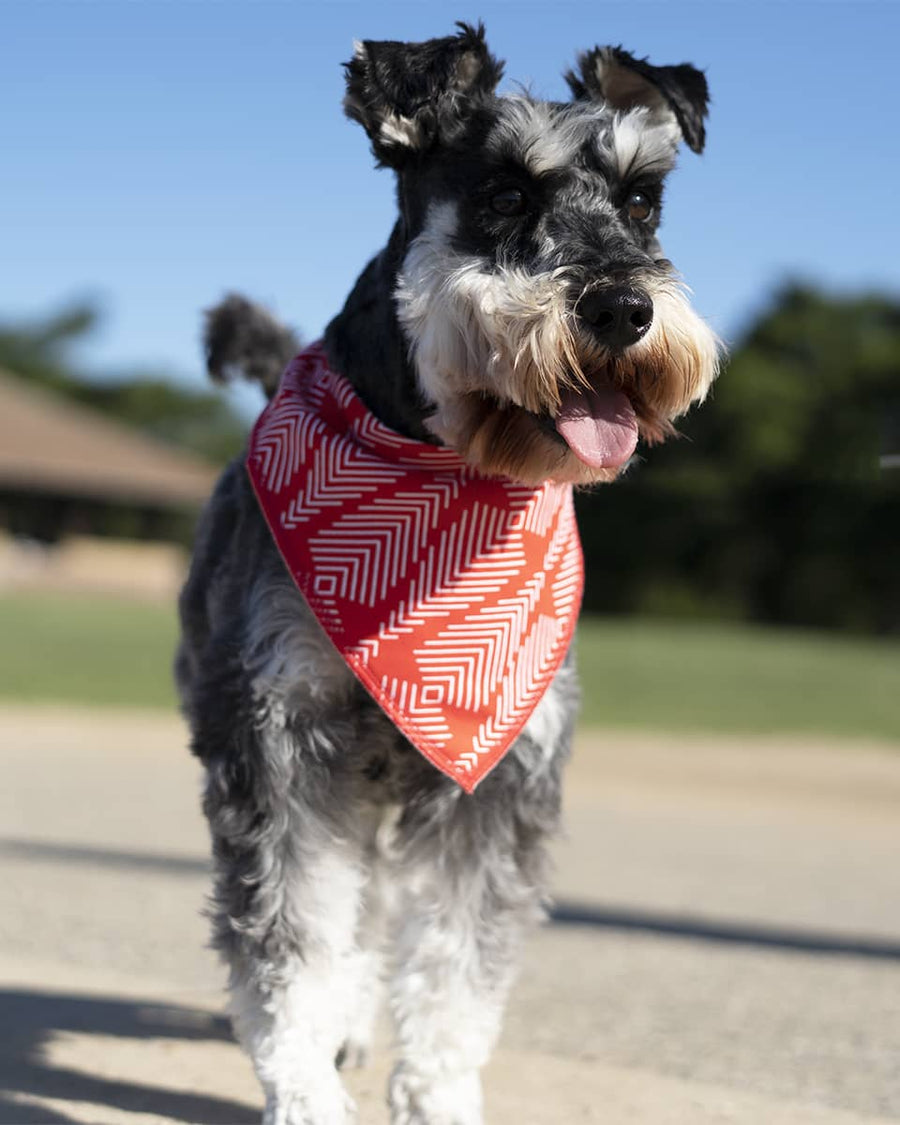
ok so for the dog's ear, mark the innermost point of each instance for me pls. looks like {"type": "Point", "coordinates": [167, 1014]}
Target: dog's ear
{"type": "Point", "coordinates": [676, 93]}
{"type": "Point", "coordinates": [397, 91]}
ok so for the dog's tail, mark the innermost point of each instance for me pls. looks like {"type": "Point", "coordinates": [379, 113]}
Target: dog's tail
{"type": "Point", "coordinates": [245, 341]}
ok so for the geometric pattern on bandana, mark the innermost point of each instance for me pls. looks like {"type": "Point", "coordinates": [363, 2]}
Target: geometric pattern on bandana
{"type": "Point", "coordinates": [452, 596]}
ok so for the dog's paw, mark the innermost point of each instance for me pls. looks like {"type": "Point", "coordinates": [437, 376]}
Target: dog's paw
{"type": "Point", "coordinates": [328, 1105]}
{"type": "Point", "coordinates": [420, 1099]}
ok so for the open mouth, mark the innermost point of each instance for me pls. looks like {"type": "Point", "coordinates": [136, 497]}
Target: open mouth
{"type": "Point", "coordinates": [599, 425]}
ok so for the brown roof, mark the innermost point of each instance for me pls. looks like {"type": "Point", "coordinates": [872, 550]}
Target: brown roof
{"type": "Point", "coordinates": [50, 444]}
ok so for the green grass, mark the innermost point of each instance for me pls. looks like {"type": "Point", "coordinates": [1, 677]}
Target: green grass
{"type": "Point", "coordinates": [63, 648]}
{"type": "Point", "coordinates": [635, 673]}
{"type": "Point", "coordinates": [732, 677]}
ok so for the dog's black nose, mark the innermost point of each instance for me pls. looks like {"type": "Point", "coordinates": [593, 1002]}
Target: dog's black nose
{"type": "Point", "coordinates": [617, 317]}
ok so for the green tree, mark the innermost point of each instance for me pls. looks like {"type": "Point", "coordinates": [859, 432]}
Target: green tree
{"type": "Point", "coordinates": [775, 505]}
{"type": "Point", "coordinates": [812, 391]}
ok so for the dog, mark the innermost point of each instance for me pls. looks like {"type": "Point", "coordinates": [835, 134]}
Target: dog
{"type": "Point", "coordinates": [522, 324]}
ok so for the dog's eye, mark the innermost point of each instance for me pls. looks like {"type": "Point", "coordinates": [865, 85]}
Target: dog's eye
{"type": "Point", "coordinates": [639, 206]}
{"type": "Point", "coordinates": [510, 201]}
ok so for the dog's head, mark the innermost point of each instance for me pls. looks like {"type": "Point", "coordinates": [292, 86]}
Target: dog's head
{"type": "Point", "coordinates": [546, 329]}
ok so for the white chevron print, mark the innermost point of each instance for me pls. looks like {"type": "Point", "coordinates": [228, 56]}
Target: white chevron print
{"type": "Point", "coordinates": [452, 596]}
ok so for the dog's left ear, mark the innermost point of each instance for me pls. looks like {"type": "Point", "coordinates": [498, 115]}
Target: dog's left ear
{"type": "Point", "coordinates": [676, 93]}
{"type": "Point", "coordinates": [397, 91]}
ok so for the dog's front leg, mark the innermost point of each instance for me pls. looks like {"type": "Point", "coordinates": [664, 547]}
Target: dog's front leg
{"type": "Point", "coordinates": [288, 892]}
{"type": "Point", "coordinates": [291, 1001]}
{"type": "Point", "coordinates": [470, 894]}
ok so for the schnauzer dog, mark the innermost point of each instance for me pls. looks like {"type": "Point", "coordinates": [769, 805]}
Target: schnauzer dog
{"type": "Point", "coordinates": [522, 322]}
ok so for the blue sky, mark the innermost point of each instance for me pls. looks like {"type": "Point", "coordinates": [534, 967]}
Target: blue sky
{"type": "Point", "coordinates": [155, 153]}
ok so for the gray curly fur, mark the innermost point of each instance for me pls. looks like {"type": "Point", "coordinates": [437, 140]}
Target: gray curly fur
{"type": "Point", "coordinates": [307, 778]}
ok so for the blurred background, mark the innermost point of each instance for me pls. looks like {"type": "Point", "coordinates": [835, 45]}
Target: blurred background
{"type": "Point", "coordinates": [743, 596]}
{"type": "Point", "coordinates": [156, 155]}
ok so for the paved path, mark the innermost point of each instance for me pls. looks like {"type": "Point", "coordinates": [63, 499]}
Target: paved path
{"type": "Point", "coordinates": [727, 949]}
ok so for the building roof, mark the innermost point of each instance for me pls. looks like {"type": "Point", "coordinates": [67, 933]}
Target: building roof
{"type": "Point", "coordinates": [50, 444]}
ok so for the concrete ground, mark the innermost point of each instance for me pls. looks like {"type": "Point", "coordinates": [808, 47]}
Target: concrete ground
{"type": "Point", "coordinates": [726, 946]}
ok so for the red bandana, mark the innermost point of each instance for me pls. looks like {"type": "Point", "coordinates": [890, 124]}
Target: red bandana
{"type": "Point", "coordinates": [453, 596]}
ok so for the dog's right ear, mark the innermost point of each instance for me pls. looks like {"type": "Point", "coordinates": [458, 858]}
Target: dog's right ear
{"type": "Point", "coordinates": [398, 91]}
{"type": "Point", "coordinates": [675, 93]}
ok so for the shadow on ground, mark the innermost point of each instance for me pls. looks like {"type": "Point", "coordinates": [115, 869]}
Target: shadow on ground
{"type": "Point", "coordinates": [30, 1019]}
{"type": "Point", "coordinates": [661, 924]}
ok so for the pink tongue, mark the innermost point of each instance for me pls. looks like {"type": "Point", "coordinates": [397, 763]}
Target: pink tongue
{"type": "Point", "coordinates": [599, 426]}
